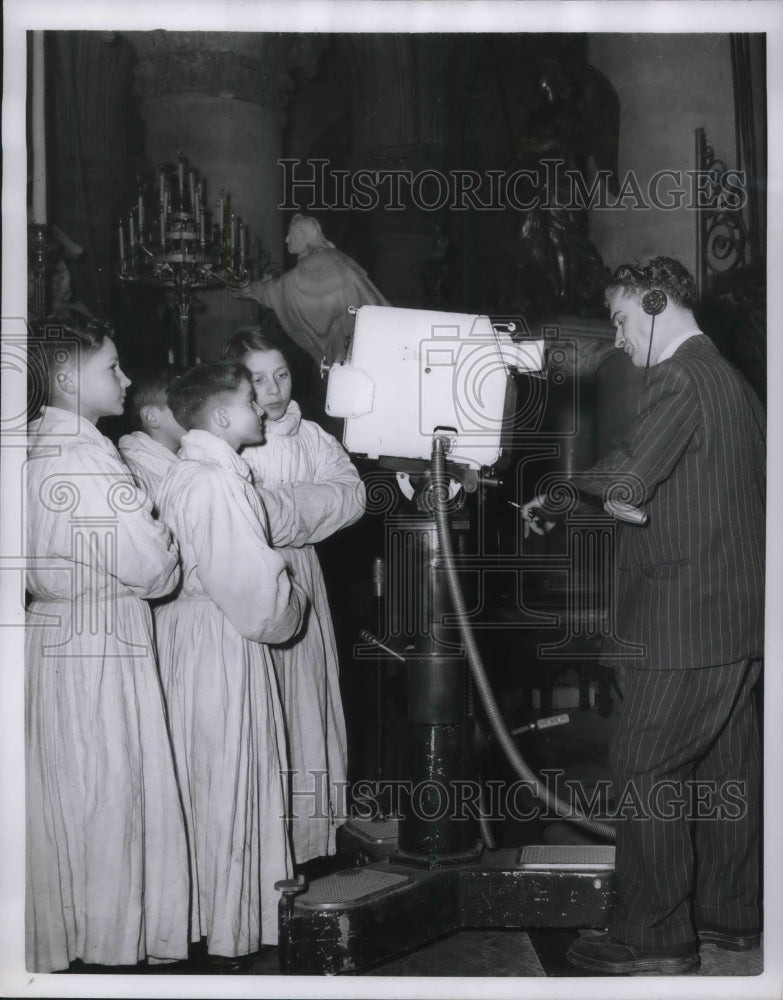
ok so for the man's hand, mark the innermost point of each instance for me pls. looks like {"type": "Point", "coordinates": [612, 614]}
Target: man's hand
{"type": "Point", "coordinates": [530, 517]}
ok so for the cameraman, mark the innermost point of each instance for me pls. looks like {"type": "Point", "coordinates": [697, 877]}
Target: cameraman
{"type": "Point", "coordinates": [689, 591]}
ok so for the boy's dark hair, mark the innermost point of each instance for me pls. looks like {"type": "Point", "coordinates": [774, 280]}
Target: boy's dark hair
{"type": "Point", "coordinates": [150, 388]}
{"type": "Point", "coordinates": [190, 394]}
{"type": "Point", "coordinates": [54, 344]}
{"type": "Point", "coordinates": [255, 338]}
{"type": "Point", "coordinates": [665, 273]}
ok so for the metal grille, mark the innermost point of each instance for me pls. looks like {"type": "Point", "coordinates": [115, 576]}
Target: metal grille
{"type": "Point", "coordinates": [376, 829]}
{"type": "Point", "coordinates": [350, 886]}
{"type": "Point", "coordinates": [571, 856]}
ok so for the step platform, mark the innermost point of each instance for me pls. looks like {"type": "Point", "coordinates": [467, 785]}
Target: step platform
{"type": "Point", "coordinates": [357, 918]}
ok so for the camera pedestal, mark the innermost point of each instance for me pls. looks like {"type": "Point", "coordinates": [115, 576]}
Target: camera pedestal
{"type": "Point", "coordinates": [436, 879]}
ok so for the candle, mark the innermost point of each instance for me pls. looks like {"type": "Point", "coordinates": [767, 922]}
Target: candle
{"type": "Point", "coordinates": [192, 190]}
{"type": "Point", "coordinates": [141, 216]}
{"type": "Point", "coordinates": [242, 229]}
{"type": "Point", "coordinates": [166, 200]}
{"type": "Point", "coordinates": [202, 226]}
{"type": "Point", "coordinates": [181, 180]}
{"type": "Point", "coordinates": [39, 132]}
{"type": "Point", "coordinates": [131, 231]}
{"type": "Point", "coordinates": [162, 182]}
{"type": "Point", "coordinates": [122, 246]}
{"type": "Point", "coordinates": [232, 233]}
{"type": "Point", "coordinates": [162, 227]}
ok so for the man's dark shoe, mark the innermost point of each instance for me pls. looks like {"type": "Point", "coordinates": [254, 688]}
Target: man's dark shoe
{"type": "Point", "coordinates": [741, 940]}
{"type": "Point", "coordinates": [600, 954]}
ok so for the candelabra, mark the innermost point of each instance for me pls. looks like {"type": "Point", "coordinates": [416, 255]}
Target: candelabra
{"type": "Point", "coordinates": [182, 246]}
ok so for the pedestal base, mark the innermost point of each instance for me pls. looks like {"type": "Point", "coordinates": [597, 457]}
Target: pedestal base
{"type": "Point", "coordinates": [360, 917]}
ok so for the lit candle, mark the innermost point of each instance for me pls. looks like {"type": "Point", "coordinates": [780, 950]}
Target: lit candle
{"type": "Point", "coordinates": [39, 132]}
{"type": "Point", "coordinates": [122, 246]}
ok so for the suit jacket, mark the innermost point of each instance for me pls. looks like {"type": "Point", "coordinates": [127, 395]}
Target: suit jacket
{"type": "Point", "coordinates": [689, 585]}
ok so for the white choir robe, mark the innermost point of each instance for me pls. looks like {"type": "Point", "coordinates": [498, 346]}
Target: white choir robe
{"type": "Point", "coordinates": [148, 460]}
{"type": "Point", "coordinates": [310, 489]}
{"type": "Point", "coordinates": [107, 860]}
{"type": "Point", "coordinates": [224, 708]}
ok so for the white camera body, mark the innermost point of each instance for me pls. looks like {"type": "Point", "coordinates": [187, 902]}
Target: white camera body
{"type": "Point", "coordinates": [413, 372]}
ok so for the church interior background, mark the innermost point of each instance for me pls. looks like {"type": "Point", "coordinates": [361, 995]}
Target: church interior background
{"type": "Point", "coordinates": [119, 104]}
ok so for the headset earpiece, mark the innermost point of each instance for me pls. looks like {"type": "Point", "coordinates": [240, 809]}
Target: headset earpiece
{"type": "Point", "coordinates": [654, 302]}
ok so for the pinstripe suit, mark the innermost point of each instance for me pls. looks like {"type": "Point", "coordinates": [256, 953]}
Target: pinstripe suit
{"type": "Point", "coordinates": [690, 595]}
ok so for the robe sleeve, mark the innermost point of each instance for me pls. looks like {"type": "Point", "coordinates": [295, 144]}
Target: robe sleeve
{"type": "Point", "coordinates": [98, 518]}
{"type": "Point", "coordinates": [237, 568]}
{"type": "Point", "coordinates": [304, 513]}
{"type": "Point", "coordinates": [144, 479]}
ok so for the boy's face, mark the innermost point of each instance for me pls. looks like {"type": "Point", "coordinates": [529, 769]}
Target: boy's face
{"type": "Point", "coordinates": [271, 381]}
{"type": "Point", "coordinates": [245, 417]}
{"type": "Point", "coordinates": [102, 383]}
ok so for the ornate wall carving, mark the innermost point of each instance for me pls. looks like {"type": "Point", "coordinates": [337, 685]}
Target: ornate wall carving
{"type": "Point", "coordinates": [246, 67]}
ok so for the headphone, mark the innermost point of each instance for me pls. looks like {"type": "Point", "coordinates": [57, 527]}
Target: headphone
{"type": "Point", "coordinates": [654, 302]}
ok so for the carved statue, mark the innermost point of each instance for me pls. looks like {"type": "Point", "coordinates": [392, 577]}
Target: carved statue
{"type": "Point", "coordinates": [576, 117]}
{"type": "Point", "coordinates": [311, 300]}
{"type": "Point", "coordinates": [575, 121]}
{"type": "Point", "coordinates": [554, 241]}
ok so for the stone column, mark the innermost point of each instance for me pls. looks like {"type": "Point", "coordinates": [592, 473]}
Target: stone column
{"type": "Point", "coordinates": [399, 124]}
{"type": "Point", "coordinates": [219, 97]}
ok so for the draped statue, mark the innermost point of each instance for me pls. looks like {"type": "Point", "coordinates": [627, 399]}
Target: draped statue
{"type": "Point", "coordinates": [312, 299]}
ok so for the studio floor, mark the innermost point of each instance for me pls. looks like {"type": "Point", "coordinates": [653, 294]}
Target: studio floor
{"type": "Point", "coordinates": [580, 749]}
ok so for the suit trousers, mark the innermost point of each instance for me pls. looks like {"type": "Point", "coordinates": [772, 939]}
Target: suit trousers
{"type": "Point", "coordinates": [686, 771]}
